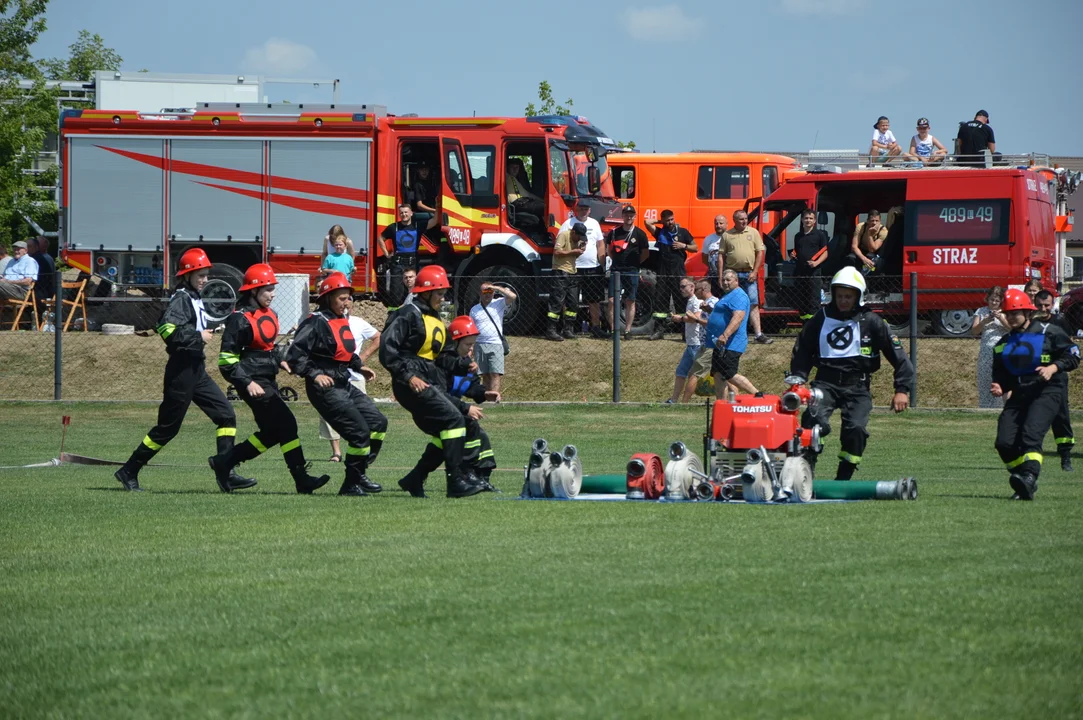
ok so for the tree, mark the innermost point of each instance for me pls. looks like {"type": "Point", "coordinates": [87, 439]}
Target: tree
{"type": "Point", "coordinates": [548, 104]}
{"type": "Point", "coordinates": [26, 116]}
{"type": "Point", "coordinates": [87, 54]}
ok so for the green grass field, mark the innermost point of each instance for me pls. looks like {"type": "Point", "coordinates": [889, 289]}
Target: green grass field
{"type": "Point", "coordinates": [181, 601]}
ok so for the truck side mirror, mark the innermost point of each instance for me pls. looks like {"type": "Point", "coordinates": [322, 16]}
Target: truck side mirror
{"type": "Point", "coordinates": [594, 179]}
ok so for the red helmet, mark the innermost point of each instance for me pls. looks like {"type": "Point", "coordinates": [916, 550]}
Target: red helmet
{"type": "Point", "coordinates": [1016, 300]}
{"type": "Point", "coordinates": [258, 275]}
{"type": "Point", "coordinates": [431, 277]}
{"type": "Point", "coordinates": [193, 259]}
{"type": "Point", "coordinates": [334, 281]}
{"type": "Point", "coordinates": [461, 327]}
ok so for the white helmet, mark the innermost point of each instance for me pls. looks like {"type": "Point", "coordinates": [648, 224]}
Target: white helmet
{"type": "Point", "coordinates": [851, 278]}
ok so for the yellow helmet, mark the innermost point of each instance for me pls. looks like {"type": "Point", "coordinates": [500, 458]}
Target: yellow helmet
{"type": "Point", "coordinates": [851, 278]}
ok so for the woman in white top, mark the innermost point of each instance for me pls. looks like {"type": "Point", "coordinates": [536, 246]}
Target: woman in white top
{"type": "Point", "coordinates": [926, 148]}
{"type": "Point", "coordinates": [990, 325]}
{"type": "Point", "coordinates": [329, 244]}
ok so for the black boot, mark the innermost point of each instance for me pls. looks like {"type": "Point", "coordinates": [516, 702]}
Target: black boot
{"type": "Point", "coordinates": [568, 333]}
{"type": "Point", "coordinates": [306, 484]}
{"type": "Point", "coordinates": [356, 482]}
{"type": "Point", "coordinates": [369, 486]}
{"type": "Point", "coordinates": [1024, 485]}
{"type": "Point", "coordinates": [460, 486]}
{"type": "Point", "coordinates": [845, 471]}
{"type": "Point", "coordinates": [414, 483]}
{"type": "Point", "coordinates": [227, 479]}
{"type": "Point", "coordinates": [351, 488]}
{"type": "Point", "coordinates": [128, 477]}
{"type": "Point", "coordinates": [1065, 458]}
{"type": "Point", "coordinates": [551, 332]}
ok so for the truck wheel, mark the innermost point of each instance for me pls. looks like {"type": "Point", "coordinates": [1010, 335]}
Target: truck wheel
{"type": "Point", "coordinates": [953, 323]}
{"type": "Point", "coordinates": [521, 316]}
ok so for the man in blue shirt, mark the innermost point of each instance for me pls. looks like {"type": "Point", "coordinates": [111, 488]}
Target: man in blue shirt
{"type": "Point", "coordinates": [20, 274]}
{"type": "Point", "coordinates": [727, 333]}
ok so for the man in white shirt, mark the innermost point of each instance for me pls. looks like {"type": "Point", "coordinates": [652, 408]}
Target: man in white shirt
{"type": "Point", "coordinates": [695, 364]}
{"type": "Point", "coordinates": [20, 274]}
{"type": "Point", "coordinates": [711, 244]}
{"type": "Point", "coordinates": [488, 315]}
{"type": "Point", "coordinates": [363, 333]}
{"type": "Point", "coordinates": [589, 268]}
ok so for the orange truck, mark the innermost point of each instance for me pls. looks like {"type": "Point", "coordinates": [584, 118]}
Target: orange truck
{"type": "Point", "coordinates": [697, 186]}
{"type": "Point", "coordinates": [263, 183]}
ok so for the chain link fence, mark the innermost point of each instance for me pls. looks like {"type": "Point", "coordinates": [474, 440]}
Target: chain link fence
{"type": "Point", "coordinates": [118, 356]}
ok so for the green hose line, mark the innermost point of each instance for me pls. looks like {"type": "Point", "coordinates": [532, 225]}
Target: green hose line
{"type": "Point", "coordinates": [857, 490]}
{"type": "Point", "coordinates": [604, 484]}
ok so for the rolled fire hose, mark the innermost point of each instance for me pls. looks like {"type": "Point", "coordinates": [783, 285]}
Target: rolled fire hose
{"type": "Point", "coordinates": [682, 472]}
{"type": "Point", "coordinates": [756, 484]}
{"type": "Point", "coordinates": [646, 477]}
{"type": "Point", "coordinates": [905, 489]}
{"type": "Point", "coordinates": [604, 484]}
{"type": "Point", "coordinates": [796, 477]}
{"type": "Point", "coordinates": [537, 469]}
{"type": "Point", "coordinates": [565, 476]}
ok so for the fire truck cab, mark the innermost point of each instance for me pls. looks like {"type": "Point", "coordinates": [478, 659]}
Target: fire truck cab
{"type": "Point", "coordinates": [263, 183]}
{"type": "Point", "coordinates": [961, 230]}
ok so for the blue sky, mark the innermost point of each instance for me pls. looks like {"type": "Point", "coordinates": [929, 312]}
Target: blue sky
{"type": "Point", "coordinates": [671, 75]}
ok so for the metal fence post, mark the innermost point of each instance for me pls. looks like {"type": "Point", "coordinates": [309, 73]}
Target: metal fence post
{"type": "Point", "coordinates": [614, 292]}
{"type": "Point", "coordinates": [914, 335]}
{"type": "Point", "coordinates": [58, 330]}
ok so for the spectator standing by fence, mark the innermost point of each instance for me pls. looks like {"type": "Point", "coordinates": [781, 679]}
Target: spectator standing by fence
{"type": "Point", "coordinates": [673, 243]}
{"type": "Point", "coordinates": [589, 271]}
{"type": "Point", "coordinates": [742, 251]}
{"type": "Point", "coordinates": [989, 325]}
{"type": "Point", "coordinates": [810, 252]}
{"type": "Point", "coordinates": [563, 289]}
{"type": "Point", "coordinates": [629, 248]}
{"type": "Point", "coordinates": [488, 318]}
{"type": "Point", "coordinates": [710, 250]}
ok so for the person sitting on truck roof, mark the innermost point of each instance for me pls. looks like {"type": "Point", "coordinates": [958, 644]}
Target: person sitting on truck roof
{"type": "Point", "coordinates": [926, 148]}
{"type": "Point", "coordinates": [869, 237]}
{"type": "Point", "coordinates": [884, 144]}
{"type": "Point", "coordinates": [975, 137]}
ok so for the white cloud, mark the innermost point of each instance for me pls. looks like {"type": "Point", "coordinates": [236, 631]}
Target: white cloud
{"type": "Point", "coordinates": [667, 22]}
{"type": "Point", "coordinates": [280, 57]}
{"type": "Point", "coordinates": [822, 7]}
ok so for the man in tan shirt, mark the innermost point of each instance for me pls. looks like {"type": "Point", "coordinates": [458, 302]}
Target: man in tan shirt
{"type": "Point", "coordinates": [869, 237]}
{"type": "Point", "coordinates": [564, 286]}
{"type": "Point", "coordinates": [742, 251]}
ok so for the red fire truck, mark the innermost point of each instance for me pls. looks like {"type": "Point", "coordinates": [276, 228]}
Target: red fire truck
{"type": "Point", "coordinates": [961, 230]}
{"type": "Point", "coordinates": [263, 183]}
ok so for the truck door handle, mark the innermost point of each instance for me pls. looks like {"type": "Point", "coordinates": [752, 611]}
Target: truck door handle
{"type": "Point", "coordinates": [911, 256]}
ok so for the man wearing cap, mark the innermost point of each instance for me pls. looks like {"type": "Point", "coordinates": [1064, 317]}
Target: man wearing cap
{"type": "Point", "coordinates": [590, 272]}
{"type": "Point", "coordinates": [926, 148]}
{"type": "Point", "coordinates": [672, 242]}
{"type": "Point", "coordinates": [20, 274]}
{"type": "Point", "coordinates": [563, 289]}
{"type": "Point", "coordinates": [975, 137]}
{"type": "Point", "coordinates": [629, 249]}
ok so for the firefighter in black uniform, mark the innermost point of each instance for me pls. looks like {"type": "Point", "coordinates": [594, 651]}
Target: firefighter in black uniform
{"type": "Point", "coordinates": [249, 360]}
{"type": "Point", "coordinates": [460, 380]}
{"type": "Point", "coordinates": [323, 353]}
{"type": "Point", "coordinates": [404, 237]}
{"type": "Point", "coordinates": [183, 327]}
{"type": "Point", "coordinates": [1062, 422]}
{"type": "Point", "coordinates": [1031, 363]}
{"type": "Point", "coordinates": [672, 243]}
{"type": "Point", "coordinates": [844, 341]}
{"type": "Point", "coordinates": [409, 345]}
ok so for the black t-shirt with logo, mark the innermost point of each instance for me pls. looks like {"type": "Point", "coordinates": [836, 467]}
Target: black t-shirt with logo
{"type": "Point", "coordinates": [974, 137]}
{"type": "Point", "coordinates": [627, 246]}
{"type": "Point", "coordinates": [806, 245]}
{"type": "Point", "coordinates": [663, 243]}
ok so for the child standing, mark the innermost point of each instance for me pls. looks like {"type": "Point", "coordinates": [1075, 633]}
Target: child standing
{"type": "Point", "coordinates": [183, 327]}
{"type": "Point", "coordinates": [339, 260]}
{"type": "Point", "coordinates": [249, 360]}
{"type": "Point", "coordinates": [1030, 365]}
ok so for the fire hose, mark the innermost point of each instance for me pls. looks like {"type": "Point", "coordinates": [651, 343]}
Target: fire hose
{"type": "Point", "coordinates": [646, 477]}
